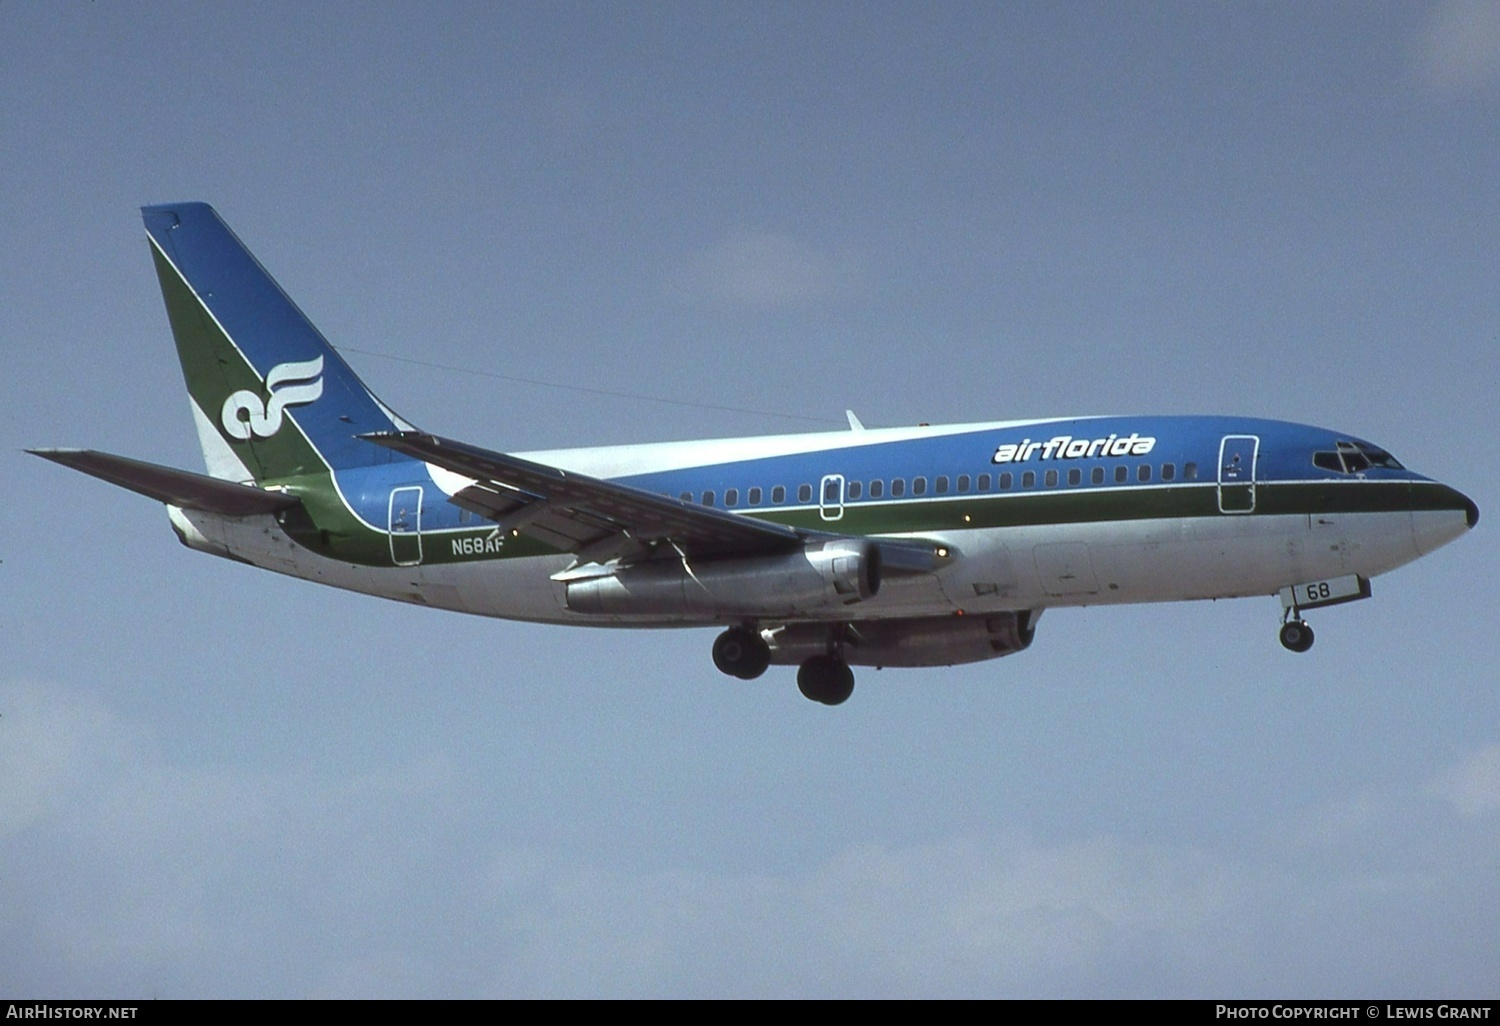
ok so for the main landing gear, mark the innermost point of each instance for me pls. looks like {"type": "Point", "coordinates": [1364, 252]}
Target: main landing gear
{"type": "Point", "coordinates": [1296, 635]}
{"type": "Point", "coordinates": [826, 679]}
{"type": "Point", "coordinates": [741, 652]}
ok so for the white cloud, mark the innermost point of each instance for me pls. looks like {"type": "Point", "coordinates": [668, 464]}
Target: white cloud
{"type": "Point", "coordinates": [1473, 787]}
{"type": "Point", "coordinates": [130, 872]}
{"type": "Point", "coordinates": [762, 270]}
{"type": "Point", "coordinates": [48, 744]}
{"type": "Point", "coordinates": [133, 874]}
{"type": "Point", "coordinates": [1459, 51]}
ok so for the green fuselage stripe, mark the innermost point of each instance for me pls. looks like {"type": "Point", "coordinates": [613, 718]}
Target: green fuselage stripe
{"type": "Point", "coordinates": [1045, 507]}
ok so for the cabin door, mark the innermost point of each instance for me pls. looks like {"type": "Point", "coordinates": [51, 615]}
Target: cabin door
{"type": "Point", "coordinates": [406, 526]}
{"type": "Point", "coordinates": [831, 498]}
{"type": "Point", "coordinates": [1237, 455]}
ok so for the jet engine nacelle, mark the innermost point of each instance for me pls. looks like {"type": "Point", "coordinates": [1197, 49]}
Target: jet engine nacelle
{"type": "Point", "coordinates": [928, 641]}
{"type": "Point", "coordinates": [818, 579]}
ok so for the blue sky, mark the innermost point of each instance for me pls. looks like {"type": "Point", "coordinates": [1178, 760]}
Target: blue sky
{"type": "Point", "coordinates": [218, 782]}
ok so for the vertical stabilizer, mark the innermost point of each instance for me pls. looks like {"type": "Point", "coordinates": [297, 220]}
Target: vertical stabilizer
{"type": "Point", "coordinates": [271, 398]}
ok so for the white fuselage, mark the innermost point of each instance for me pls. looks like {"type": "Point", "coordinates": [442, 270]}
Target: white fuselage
{"type": "Point", "coordinates": [1010, 568]}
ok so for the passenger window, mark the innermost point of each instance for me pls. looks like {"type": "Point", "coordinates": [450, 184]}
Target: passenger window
{"type": "Point", "coordinates": [732, 497]}
{"type": "Point", "coordinates": [1190, 471]}
{"type": "Point", "coordinates": [854, 489]}
{"type": "Point", "coordinates": [942, 485]}
{"type": "Point", "coordinates": [1122, 474]}
{"type": "Point", "coordinates": [708, 498]}
{"type": "Point", "coordinates": [919, 486]}
{"type": "Point", "coordinates": [963, 482]}
{"type": "Point", "coordinates": [1005, 481]}
{"type": "Point", "coordinates": [1143, 473]}
{"type": "Point", "coordinates": [804, 493]}
{"type": "Point", "coordinates": [1097, 475]}
{"type": "Point", "coordinates": [1169, 471]}
{"type": "Point", "coordinates": [898, 488]}
{"type": "Point", "coordinates": [1051, 479]}
{"type": "Point", "coordinates": [830, 491]}
{"type": "Point", "coordinates": [778, 494]}
{"type": "Point", "coordinates": [877, 489]}
{"type": "Point", "coordinates": [755, 496]}
{"type": "Point", "coordinates": [1075, 476]}
{"type": "Point", "coordinates": [1028, 479]}
{"type": "Point", "coordinates": [984, 482]}
{"type": "Point", "coordinates": [686, 496]}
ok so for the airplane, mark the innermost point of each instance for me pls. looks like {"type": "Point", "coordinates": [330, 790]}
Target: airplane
{"type": "Point", "coordinates": [886, 547]}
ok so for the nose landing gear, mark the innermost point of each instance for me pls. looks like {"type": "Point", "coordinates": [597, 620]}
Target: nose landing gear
{"type": "Point", "coordinates": [1296, 635]}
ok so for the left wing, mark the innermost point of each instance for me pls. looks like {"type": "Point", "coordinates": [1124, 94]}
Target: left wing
{"type": "Point", "coordinates": [596, 520]}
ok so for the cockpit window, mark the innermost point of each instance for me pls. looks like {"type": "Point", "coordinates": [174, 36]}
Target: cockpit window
{"type": "Point", "coordinates": [1354, 458]}
{"type": "Point", "coordinates": [1379, 457]}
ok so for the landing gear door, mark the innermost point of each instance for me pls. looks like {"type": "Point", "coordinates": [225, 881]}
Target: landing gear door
{"type": "Point", "coordinates": [1237, 455]}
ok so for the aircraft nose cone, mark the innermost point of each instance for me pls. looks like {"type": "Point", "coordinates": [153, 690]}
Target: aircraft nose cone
{"type": "Point", "coordinates": [1434, 516]}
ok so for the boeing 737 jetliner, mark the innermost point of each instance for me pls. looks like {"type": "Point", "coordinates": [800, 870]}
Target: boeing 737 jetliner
{"type": "Point", "coordinates": [924, 546]}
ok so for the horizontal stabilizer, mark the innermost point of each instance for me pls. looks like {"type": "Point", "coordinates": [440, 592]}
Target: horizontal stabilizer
{"type": "Point", "coordinates": [174, 487]}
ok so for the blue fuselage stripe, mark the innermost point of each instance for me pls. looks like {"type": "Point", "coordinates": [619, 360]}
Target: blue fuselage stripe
{"type": "Point", "coordinates": [1285, 454]}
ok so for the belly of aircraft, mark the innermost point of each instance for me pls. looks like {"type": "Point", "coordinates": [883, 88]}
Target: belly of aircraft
{"type": "Point", "coordinates": [1170, 560]}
